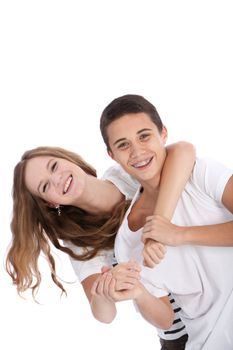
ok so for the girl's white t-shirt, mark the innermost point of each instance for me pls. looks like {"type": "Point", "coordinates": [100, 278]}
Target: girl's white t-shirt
{"type": "Point", "coordinates": [128, 187]}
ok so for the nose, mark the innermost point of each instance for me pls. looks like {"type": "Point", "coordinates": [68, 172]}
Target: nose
{"type": "Point", "coordinates": [136, 150]}
{"type": "Point", "coordinates": [56, 179]}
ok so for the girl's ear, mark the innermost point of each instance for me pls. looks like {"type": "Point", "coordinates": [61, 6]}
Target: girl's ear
{"type": "Point", "coordinates": [52, 205]}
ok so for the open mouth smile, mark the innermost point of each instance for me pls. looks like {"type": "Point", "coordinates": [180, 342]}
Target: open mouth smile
{"type": "Point", "coordinates": [67, 184]}
{"type": "Point", "coordinates": [142, 164]}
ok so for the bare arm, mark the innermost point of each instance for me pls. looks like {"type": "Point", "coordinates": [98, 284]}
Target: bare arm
{"type": "Point", "coordinates": [157, 311]}
{"type": "Point", "coordinates": [96, 288]}
{"type": "Point", "coordinates": [102, 309]}
{"type": "Point", "coordinates": [209, 235]}
{"type": "Point", "coordinates": [176, 172]}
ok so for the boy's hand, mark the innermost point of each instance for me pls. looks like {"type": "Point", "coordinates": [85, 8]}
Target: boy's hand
{"type": "Point", "coordinates": [162, 230]}
{"type": "Point", "coordinates": [153, 252]}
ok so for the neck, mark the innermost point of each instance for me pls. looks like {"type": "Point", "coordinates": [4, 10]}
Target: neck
{"type": "Point", "coordinates": [98, 197]}
{"type": "Point", "coordinates": [150, 186]}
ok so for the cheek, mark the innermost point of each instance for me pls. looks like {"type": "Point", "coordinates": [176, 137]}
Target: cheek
{"type": "Point", "coordinates": [121, 157]}
{"type": "Point", "coordinates": [51, 195]}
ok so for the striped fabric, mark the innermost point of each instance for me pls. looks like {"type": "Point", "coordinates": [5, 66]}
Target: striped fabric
{"type": "Point", "coordinates": [177, 329]}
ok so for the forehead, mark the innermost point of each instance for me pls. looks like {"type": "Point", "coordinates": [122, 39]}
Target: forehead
{"type": "Point", "coordinates": [37, 163]}
{"type": "Point", "coordinates": [129, 123]}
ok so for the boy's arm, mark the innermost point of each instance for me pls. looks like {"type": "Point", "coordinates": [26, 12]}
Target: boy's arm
{"type": "Point", "coordinates": [227, 198]}
{"type": "Point", "coordinates": [160, 229]}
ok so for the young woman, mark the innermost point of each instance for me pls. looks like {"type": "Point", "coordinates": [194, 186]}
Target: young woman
{"type": "Point", "coordinates": [57, 198]}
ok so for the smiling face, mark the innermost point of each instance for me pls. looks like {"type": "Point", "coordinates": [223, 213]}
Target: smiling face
{"type": "Point", "coordinates": [137, 145]}
{"type": "Point", "coordinates": [56, 180]}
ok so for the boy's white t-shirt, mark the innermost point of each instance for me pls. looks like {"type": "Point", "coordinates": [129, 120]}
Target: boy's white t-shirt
{"type": "Point", "coordinates": [200, 278]}
{"type": "Point", "coordinates": [83, 269]}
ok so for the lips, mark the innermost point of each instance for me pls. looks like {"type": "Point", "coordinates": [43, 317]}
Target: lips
{"type": "Point", "coordinates": [67, 184]}
{"type": "Point", "coordinates": [142, 163]}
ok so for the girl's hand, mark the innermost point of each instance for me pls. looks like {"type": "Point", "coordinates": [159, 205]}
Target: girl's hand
{"type": "Point", "coordinates": [126, 275]}
{"type": "Point", "coordinates": [121, 278]}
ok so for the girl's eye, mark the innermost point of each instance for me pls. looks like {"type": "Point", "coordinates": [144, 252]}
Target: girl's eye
{"type": "Point", "coordinates": [54, 167]}
{"type": "Point", "coordinates": [44, 189]}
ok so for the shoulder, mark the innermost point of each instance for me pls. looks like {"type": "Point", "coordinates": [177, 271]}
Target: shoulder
{"type": "Point", "coordinates": [202, 163]}
{"type": "Point", "coordinates": [122, 180]}
{"type": "Point", "coordinates": [210, 166]}
{"type": "Point", "coordinates": [211, 176]}
{"type": "Point", "coordinates": [84, 269]}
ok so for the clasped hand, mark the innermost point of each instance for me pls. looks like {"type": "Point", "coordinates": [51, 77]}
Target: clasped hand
{"type": "Point", "coordinates": [157, 233]}
{"type": "Point", "coordinates": [118, 283]}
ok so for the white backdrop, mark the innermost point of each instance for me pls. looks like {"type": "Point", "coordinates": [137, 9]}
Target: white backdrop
{"type": "Point", "coordinates": [61, 62]}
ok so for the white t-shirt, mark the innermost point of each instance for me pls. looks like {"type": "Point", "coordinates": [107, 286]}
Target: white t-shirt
{"type": "Point", "coordinates": [83, 269]}
{"type": "Point", "coordinates": [128, 186]}
{"type": "Point", "coordinates": [200, 278]}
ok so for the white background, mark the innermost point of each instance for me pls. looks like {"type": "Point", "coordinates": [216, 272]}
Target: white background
{"type": "Point", "coordinates": [61, 62]}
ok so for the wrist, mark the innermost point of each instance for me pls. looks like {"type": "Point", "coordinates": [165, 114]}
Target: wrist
{"type": "Point", "coordinates": [140, 295]}
{"type": "Point", "coordinates": [101, 300]}
{"type": "Point", "coordinates": [183, 236]}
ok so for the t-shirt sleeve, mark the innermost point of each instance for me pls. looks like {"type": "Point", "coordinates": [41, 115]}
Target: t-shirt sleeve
{"type": "Point", "coordinates": [84, 269]}
{"type": "Point", "coordinates": [211, 176]}
{"type": "Point", "coordinates": [123, 181]}
{"type": "Point", "coordinates": [153, 289]}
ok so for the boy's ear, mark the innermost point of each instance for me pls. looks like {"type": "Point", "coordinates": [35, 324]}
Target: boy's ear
{"type": "Point", "coordinates": [110, 153]}
{"type": "Point", "coordinates": [164, 134]}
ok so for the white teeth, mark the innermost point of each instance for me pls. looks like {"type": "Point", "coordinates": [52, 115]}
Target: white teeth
{"type": "Point", "coordinates": [142, 163]}
{"type": "Point", "coordinates": [67, 184]}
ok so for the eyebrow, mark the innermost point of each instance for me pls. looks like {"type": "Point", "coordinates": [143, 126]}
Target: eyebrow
{"type": "Point", "coordinates": [47, 167]}
{"type": "Point", "coordinates": [138, 133]}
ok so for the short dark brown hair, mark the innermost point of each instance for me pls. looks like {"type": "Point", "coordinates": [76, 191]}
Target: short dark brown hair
{"type": "Point", "coordinates": [127, 104]}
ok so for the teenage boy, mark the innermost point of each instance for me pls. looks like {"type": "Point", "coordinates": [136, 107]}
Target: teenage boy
{"type": "Point", "coordinates": [197, 276]}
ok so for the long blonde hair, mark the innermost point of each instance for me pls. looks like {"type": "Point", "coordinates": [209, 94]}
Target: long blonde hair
{"type": "Point", "coordinates": [35, 224]}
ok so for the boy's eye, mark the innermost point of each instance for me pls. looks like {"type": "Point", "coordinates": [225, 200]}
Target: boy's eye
{"type": "Point", "coordinates": [123, 145]}
{"type": "Point", "coordinates": [144, 136]}
{"type": "Point", "coordinates": [44, 189]}
{"type": "Point", "coordinates": [54, 166]}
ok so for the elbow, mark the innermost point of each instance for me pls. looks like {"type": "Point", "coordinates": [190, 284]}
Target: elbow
{"type": "Point", "coordinates": [106, 320]}
{"type": "Point", "coordinates": [187, 149]}
{"type": "Point", "coordinates": [185, 152]}
{"type": "Point", "coordinates": [167, 323]}
{"type": "Point", "coordinates": [104, 316]}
